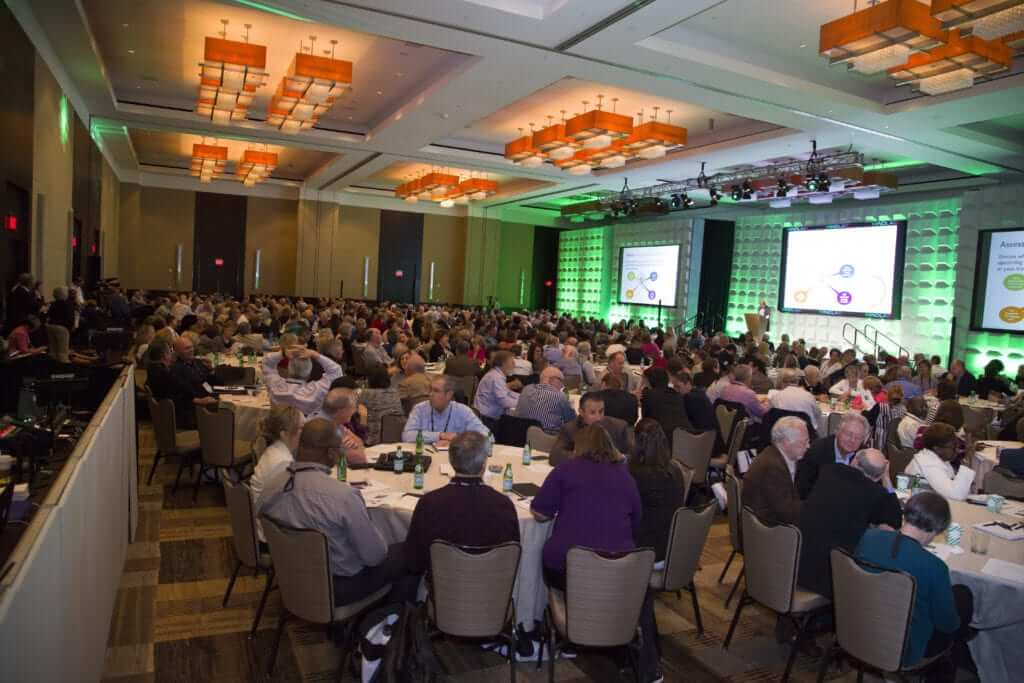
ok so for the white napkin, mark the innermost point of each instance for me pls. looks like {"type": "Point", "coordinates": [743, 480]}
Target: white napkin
{"type": "Point", "coordinates": [1000, 532]}
{"type": "Point", "coordinates": [944, 551]}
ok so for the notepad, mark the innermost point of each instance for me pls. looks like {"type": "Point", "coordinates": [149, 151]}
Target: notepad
{"type": "Point", "coordinates": [1004, 570]}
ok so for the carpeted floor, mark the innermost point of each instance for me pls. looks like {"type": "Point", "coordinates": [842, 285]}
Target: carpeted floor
{"type": "Point", "coordinates": [169, 625]}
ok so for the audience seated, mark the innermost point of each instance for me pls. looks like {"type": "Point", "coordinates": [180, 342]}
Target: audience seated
{"type": "Point", "coordinates": [992, 381]}
{"type": "Point", "coordinates": [738, 391]}
{"type": "Point", "coordinates": [617, 368]}
{"type": "Point", "coordinates": [280, 431]}
{"type": "Point", "coordinates": [769, 488]}
{"type": "Point", "coordinates": [845, 501]}
{"type": "Point", "coordinates": [461, 365]}
{"type": "Point", "coordinates": [660, 482]}
{"type": "Point", "coordinates": [663, 403]}
{"type": "Point", "coordinates": [965, 382]}
{"type": "Point", "coordinates": [494, 395]}
{"type": "Point", "coordinates": [618, 403]}
{"type": "Point", "coordinates": [165, 384]}
{"type": "Point", "coordinates": [546, 402]}
{"type": "Point", "coordinates": [296, 390]}
{"type": "Point", "coordinates": [441, 418]}
{"type": "Point", "coordinates": [414, 386]}
{"type": "Point", "coordinates": [591, 414]}
{"type": "Point", "coordinates": [19, 338]}
{"type": "Point", "coordinates": [340, 408]}
{"type": "Point", "coordinates": [792, 396]}
{"type": "Point", "coordinates": [840, 447]}
{"type": "Point", "coordinates": [934, 462]}
{"type": "Point", "coordinates": [380, 399]}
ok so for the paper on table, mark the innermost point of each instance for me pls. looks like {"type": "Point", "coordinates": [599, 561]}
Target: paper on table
{"type": "Point", "coordinates": [1004, 570]}
{"type": "Point", "coordinates": [539, 467]}
{"type": "Point", "coordinates": [944, 551]}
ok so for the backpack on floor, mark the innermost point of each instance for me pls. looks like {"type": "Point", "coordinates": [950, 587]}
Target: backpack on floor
{"type": "Point", "coordinates": [396, 647]}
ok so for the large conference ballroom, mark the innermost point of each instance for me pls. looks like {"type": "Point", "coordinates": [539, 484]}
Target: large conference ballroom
{"type": "Point", "coordinates": [428, 341]}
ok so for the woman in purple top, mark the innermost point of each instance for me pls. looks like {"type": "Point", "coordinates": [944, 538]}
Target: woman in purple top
{"type": "Point", "coordinates": [595, 504]}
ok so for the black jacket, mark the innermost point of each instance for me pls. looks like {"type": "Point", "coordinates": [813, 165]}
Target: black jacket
{"type": "Point", "coordinates": [840, 509]}
{"type": "Point", "coordinates": [821, 453]}
{"type": "Point", "coordinates": [661, 493]}
{"type": "Point", "coordinates": [668, 407]}
{"type": "Point", "coordinates": [166, 384]}
{"type": "Point", "coordinates": [621, 404]}
{"type": "Point", "coordinates": [21, 303]}
{"type": "Point", "coordinates": [966, 384]}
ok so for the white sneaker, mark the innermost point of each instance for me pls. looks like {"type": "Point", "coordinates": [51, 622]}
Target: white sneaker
{"type": "Point", "coordinates": [720, 495]}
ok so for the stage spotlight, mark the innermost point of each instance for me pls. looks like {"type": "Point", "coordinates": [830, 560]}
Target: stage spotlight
{"type": "Point", "coordinates": [812, 184]}
{"type": "Point", "coordinates": [747, 189]}
{"type": "Point", "coordinates": [736, 193]}
{"type": "Point", "coordinates": [715, 195]}
{"type": "Point", "coordinates": [823, 182]}
{"type": "Point", "coordinates": [687, 202]}
{"type": "Point", "coordinates": [783, 188]}
{"type": "Point", "coordinates": [676, 201]}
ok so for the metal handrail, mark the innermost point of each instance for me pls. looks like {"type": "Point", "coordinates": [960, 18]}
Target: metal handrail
{"type": "Point", "coordinates": [900, 349]}
{"type": "Point", "coordinates": [857, 332]}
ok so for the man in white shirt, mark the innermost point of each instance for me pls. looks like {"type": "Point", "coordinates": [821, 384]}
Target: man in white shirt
{"type": "Point", "coordinates": [297, 390]}
{"type": "Point", "coordinates": [792, 397]}
{"type": "Point", "coordinates": [933, 462]}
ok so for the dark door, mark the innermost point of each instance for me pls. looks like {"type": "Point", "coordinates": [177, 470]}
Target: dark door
{"type": "Point", "coordinates": [401, 251]}
{"type": "Point", "coordinates": [219, 244]}
{"type": "Point", "coordinates": [545, 268]}
{"type": "Point", "coordinates": [715, 266]}
{"type": "Point", "coordinates": [14, 237]}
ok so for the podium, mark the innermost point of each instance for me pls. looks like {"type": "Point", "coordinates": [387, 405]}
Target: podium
{"type": "Point", "coordinates": [755, 325]}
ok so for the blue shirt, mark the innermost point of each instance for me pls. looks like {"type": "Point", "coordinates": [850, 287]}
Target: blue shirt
{"type": "Point", "coordinates": [933, 604]}
{"type": "Point", "coordinates": [546, 404]}
{"type": "Point", "coordinates": [493, 397]}
{"type": "Point", "coordinates": [455, 418]}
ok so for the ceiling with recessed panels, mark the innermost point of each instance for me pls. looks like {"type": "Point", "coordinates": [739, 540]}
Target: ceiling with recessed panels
{"type": "Point", "coordinates": [446, 83]}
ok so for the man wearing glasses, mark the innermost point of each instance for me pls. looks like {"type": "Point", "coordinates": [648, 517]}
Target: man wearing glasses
{"type": "Point", "coordinates": [546, 402]}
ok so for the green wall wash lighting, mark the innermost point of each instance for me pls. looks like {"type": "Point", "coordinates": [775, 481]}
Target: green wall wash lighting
{"type": "Point", "coordinates": [272, 10]}
{"type": "Point", "coordinates": [65, 121]}
{"type": "Point", "coordinates": [890, 165]}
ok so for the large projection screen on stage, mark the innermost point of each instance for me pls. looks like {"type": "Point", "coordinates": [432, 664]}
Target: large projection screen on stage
{"type": "Point", "coordinates": [648, 276]}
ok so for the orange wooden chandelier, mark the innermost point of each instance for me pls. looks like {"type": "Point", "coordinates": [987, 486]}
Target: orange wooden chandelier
{"type": "Point", "coordinates": [208, 161]}
{"type": "Point", "coordinates": [986, 19]}
{"type": "Point", "coordinates": [446, 189]}
{"type": "Point", "coordinates": [255, 166]}
{"type": "Point", "coordinates": [955, 65]}
{"type": "Point", "coordinates": [881, 36]}
{"type": "Point", "coordinates": [230, 74]}
{"type": "Point", "coordinates": [309, 90]}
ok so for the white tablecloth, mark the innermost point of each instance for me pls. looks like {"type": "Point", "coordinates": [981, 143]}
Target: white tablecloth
{"type": "Point", "coordinates": [394, 516]}
{"type": "Point", "coordinates": [249, 411]}
{"type": "Point", "coordinates": [998, 603]}
{"type": "Point", "coordinates": [985, 459]}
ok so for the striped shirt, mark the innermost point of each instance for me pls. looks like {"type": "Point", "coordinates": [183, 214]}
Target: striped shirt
{"type": "Point", "coordinates": [547, 405]}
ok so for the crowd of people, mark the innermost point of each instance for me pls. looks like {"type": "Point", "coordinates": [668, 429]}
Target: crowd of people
{"type": "Point", "coordinates": [333, 369]}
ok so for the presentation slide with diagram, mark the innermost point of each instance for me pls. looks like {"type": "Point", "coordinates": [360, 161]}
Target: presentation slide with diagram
{"type": "Point", "coordinates": [999, 290]}
{"type": "Point", "coordinates": [648, 275]}
{"type": "Point", "coordinates": [852, 270]}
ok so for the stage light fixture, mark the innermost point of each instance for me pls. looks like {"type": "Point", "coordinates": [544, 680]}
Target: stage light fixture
{"type": "Point", "coordinates": [812, 184]}
{"type": "Point", "coordinates": [823, 182]}
{"type": "Point", "coordinates": [783, 188]}
{"type": "Point", "coordinates": [676, 201]}
{"type": "Point", "coordinates": [736, 193]}
{"type": "Point", "coordinates": [687, 202]}
{"type": "Point", "coordinates": [747, 189]}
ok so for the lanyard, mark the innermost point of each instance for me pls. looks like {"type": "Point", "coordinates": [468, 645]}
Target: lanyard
{"type": "Point", "coordinates": [446, 422]}
{"type": "Point", "coordinates": [293, 470]}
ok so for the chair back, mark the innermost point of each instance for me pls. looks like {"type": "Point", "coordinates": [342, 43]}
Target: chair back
{"type": "Point", "coordinates": [686, 475]}
{"type": "Point", "coordinates": [391, 427]}
{"type": "Point", "coordinates": [739, 431]}
{"type": "Point", "coordinates": [467, 385]}
{"type": "Point", "coordinates": [216, 436]}
{"type": "Point", "coordinates": [725, 418]}
{"type": "Point", "coordinates": [604, 595]}
{"type": "Point", "coordinates": [873, 610]}
{"type": "Point", "coordinates": [776, 414]}
{"type": "Point", "coordinates": [409, 403]}
{"type": "Point", "coordinates": [898, 456]}
{"type": "Point", "coordinates": [770, 558]}
{"type": "Point", "coordinates": [734, 493]}
{"type": "Point", "coordinates": [833, 422]}
{"type": "Point", "coordinates": [573, 382]}
{"type": "Point", "coordinates": [230, 375]}
{"type": "Point", "coordinates": [686, 538]}
{"type": "Point", "coordinates": [694, 451]}
{"type": "Point", "coordinates": [471, 588]}
{"type": "Point", "coordinates": [302, 568]}
{"type": "Point", "coordinates": [540, 440]}
{"type": "Point", "coordinates": [243, 524]}
{"type": "Point", "coordinates": [512, 430]}
{"type": "Point", "coordinates": [1003, 482]}
{"type": "Point", "coordinates": [978, 420]}
{"type": "Point", "coordinates": [164, 424]}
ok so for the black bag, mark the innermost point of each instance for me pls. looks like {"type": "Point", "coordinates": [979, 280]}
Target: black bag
{"type": "Point", "coordinates": [408, 656]}
{"type": "Point", "coordinates": [1012, 459]}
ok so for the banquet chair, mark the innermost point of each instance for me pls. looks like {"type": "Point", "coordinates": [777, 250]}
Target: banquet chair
{"type": "Point", "coordinates": [686, 538]}
{"type": "Point", "coordinates": [1002, 482]}
{"type": "Point", "coordinates": [466, 385]}
{"type": "Point", "coordinates": [409, 403]}
{"type": "Point", "coordinates": [771, 555]}
{"type": "Point", "coordinates": [220, 449]}
{"type": "Point", "coordinates": [391, 427]}
{"type": "Point", "coordinates": [739, 431]}
{"type": "Point", "coordinates": [694, 451]}
{"type": "Point", "coordinates": [512, 430]}
{"type": "Point", "coordinates": [726, 418]}
{"type": "Point", "coordinates": [873, 608]}
{"type": "Point", "coordinates": [734, 493]}
{"type": "Point", "coordinates": [471, 592]}
{"type": "Point", "coordinates": [573, 382]}
{"type": "Point", "coordinates": [978, 421]}
{"type": "Point", "coordinates": [540, 440]}
{"type": "Point", "coordinates": [601, 605]}
{"type": "Point", "coordinates": [169, 441]}
{"type": "Point", "coordinates": [302, 565]}
{"type": "Point", "coordinates": [246, 543]}
{"type": "Point", "coordinates": [898, 456]}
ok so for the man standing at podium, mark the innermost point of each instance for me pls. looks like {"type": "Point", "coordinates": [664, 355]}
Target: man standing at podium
{"type": "Point", "coordinates": [766, 316]}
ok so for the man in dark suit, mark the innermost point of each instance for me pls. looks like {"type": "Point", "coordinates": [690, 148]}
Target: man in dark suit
{"type": "Point", "coordinates": [769, 488]}
{"type": "Point", "coordinates": [591, 413]}
{"type": "Point", "coordinates": [844, 503]}
{"type": "Point", "coordinates": [166, 384]}
{"type": "Point", "coordinates": [461, 365]}
{"type": "Point", "coordinates": [618, 402]}
{"type": "Point", "coordinates": [965, 381]}
{"type": "Point", "coordinates": [838, 448]}
{"type": "Point", "coordinates": [663, 403]}
{"type": "Point", "coordinates": [21, 303]}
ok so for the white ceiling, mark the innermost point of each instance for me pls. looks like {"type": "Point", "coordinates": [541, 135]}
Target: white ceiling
{"type": "Point", "coordinates": [474, 71]}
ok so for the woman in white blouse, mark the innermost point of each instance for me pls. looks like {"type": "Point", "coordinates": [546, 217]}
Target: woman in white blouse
{"type": "Point", "coordinates": [934, 463]}
{"type": "Point", "coordinates": [281, 429]}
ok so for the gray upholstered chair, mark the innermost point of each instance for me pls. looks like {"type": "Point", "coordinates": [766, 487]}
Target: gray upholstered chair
{"type": "Point", "coordinates": [771, 555]}
{"type": "Point", "coordinates": [247, 546]}
{"type": "Point", "coordinates": [734, 492]}
{"type": "Point", "coordinates": [169, 441]}
{"type": "Point", "coordinates": [471, 592]}
{"type": "Point", "coordinates": [302, 567]}
{"type": "Point", "coordinates": [694, 451]}
{"type": "Point", "coordinates": [739, 431]}
{"type": "Point", "coordinates": [873, 609]}
{"type": "Point", "coordinates": [978, 421]}
{"type": "Point", "coordinates": [540, 440]}
{"type": "Point", "coordinates": [1003, 482]}
{"type": "Point", "coordinates": [726, 418]}
{"type": "Point", "coordinates": [686, 538]}
{"type": "Point", "coordinates": [220, 449]}
{"type": "Point", "coordinates": [467, 385]}
{"type": "Point", "coordinates": [602, 601]}
{"type": "Point", "coordinates": [573, 382]}
{"type": "Point", "coordinates": [391, 427]}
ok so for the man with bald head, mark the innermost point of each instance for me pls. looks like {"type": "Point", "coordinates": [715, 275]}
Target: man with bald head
{"type": "Point", "coordinates": [546, 402]}
{"type": "Point", "coordinates": [189, 369]}
{"type": "Point", "coordinates": [306, 496]}
{"type": "Point", "coordinates": [845, 501]}
{"type": "Point", "coordinates": [415, 384]}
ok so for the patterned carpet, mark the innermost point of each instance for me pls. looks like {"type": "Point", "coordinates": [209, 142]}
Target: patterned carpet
{"type": "Point", "coordinates": [169, 625]}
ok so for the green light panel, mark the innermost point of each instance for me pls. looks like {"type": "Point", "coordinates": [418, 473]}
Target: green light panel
{"type": "Point", "coordinates": [583, 272]}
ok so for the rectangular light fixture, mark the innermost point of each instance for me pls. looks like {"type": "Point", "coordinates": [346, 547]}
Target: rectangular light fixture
{"type": "Point", "coordinates": [255, 166]}
{"type": "Point", "coordinates": [819, 199]}
{"type": "Point", "coordinates": [208, 161]}
{"type": "Point", "coordinates": [780, 203]}
{"type": "Point", "coordinates": [308, 91]}
{"type": "Point", "coordinates": [230, 74]}
{"type": "Point", "coordinates": [891, 29]}
{"type": "Point", "coordinates": [986, 19]}
{"type": "Point", "coordinates": [598, 126]}
{"type": "Point", "coordinates": [962, 59]}
{"type": "Point", "coordinates": [961, 79]}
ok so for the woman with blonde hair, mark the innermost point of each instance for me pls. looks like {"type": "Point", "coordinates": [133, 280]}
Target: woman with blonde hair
{"type": "Point", "coordinates": [280, 431]}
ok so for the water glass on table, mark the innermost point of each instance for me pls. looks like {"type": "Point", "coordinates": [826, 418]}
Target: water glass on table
{"type": "Point", "coordinates": [979, 542]}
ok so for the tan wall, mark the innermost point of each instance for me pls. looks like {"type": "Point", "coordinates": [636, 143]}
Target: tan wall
{"type": "Point", "coordinates": [52, 175]}
{"type": "Point", "coordinates": [444, 244]}
{"type": "Point", "coordinates": [271, 225]}
{"type": "Point", "coordinates": [110, 220]}
{"type": "Point", "coordinates": [333, 242]}
{"type": "Point", "coordinates": [358, 237]}
{"type": "Point", "coordinates": [154, 221]}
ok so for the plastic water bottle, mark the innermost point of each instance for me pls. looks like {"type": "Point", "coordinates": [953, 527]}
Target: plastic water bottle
{"type": "Point", "coordinates": [419, 444]}
{"type": "Point", "coordinates": [953, 534]}
{"type": "Point", "coordinates": [527, 455]}
{"type": "Point", "coordinates": [507, 481]}
{"type": "Point", "coordinates": [490, 444]}
{"type": "Point", "coordinates": [399, 463]}
{"type": "Point", "coordinates": [342, 468]}
{"type": "Point", "coordinates": [417, 477]}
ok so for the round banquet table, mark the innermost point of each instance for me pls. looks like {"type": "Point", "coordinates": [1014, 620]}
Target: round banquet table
{"type": "Point", "coordinates": [391, 500]}
{"type": "Point", "coordinates": [985, 459]}
{"type": "Point", "coordinates": [231, 360]}
{"type": "Point", "coordinates": [998, 601]}
{"type": "Point", "coordinates": [249, 411]}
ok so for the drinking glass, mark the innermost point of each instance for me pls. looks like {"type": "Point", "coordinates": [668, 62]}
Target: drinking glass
{"type": "Point", "coordinates": [979, 542]}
